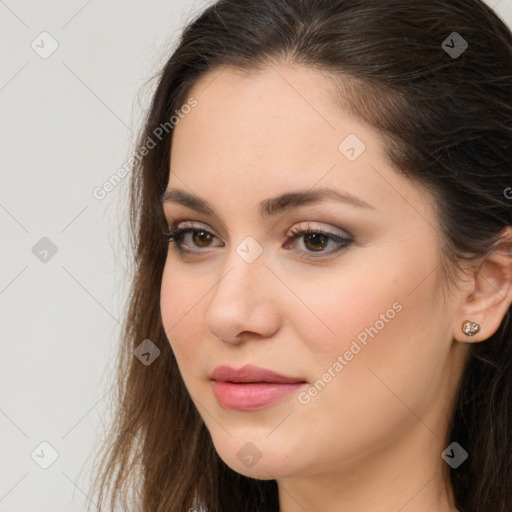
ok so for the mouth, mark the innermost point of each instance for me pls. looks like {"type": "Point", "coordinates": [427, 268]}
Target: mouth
{"type": "Point", "coordinates": [251, 374]}
{"type": "Point", "coordinates": [250, 387]}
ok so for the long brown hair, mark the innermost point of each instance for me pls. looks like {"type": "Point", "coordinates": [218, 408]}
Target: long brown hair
{"type": "Point", "coordinates": [447, 123]}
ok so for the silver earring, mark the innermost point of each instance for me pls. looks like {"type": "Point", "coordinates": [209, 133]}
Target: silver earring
{"type": "Point", "coordinates": [470, 328]}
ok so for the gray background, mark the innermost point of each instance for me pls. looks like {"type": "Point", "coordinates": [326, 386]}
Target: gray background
{"type": "Point", "coordinates": [67, 124]}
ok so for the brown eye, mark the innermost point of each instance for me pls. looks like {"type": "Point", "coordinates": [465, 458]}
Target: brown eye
{"type": "Point", "coordinates": [315, 241]}
{"type": "Point", "coordinates": [185, 239]}
{"type": "Point", "coordinates": [306, 241]}
{"type": "Point", "coordinates": [310, 240]}
{"type": "Point", "coordinates": [201, 238]}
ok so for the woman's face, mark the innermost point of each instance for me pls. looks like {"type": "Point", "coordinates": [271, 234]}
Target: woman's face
{"type": "Point", "coordinates": [361, 324]}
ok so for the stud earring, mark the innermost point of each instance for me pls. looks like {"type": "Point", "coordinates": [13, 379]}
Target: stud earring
{"type": "Point", "coordinates": [470, 328]}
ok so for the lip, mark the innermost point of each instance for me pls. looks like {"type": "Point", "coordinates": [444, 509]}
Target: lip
{"type": "Point", "coordinates": [251, 373]}
{"type": "Point", "coordinates": [251, 387]}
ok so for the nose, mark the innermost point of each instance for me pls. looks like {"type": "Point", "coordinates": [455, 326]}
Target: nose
{"type": "Point", "coordinates": [244, 302]}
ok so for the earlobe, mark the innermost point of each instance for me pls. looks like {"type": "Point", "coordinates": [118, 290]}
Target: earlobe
{"type": "Point", "coordinates": [470, 332]}
{"type": "Point", "coordinates": [470, 328]}
{"type": "Point", "coordinates": [490, 297]}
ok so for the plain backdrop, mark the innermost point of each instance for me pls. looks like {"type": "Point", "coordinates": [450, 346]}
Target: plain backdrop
{"type": "Point", "coordinates": [74, 83]}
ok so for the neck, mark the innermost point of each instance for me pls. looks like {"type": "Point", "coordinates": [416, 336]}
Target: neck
{"type": "Point", "coordinates": [399, 478]}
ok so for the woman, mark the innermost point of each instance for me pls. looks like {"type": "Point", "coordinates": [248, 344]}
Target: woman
{"type": "Point", "coordinates": [320, 312]}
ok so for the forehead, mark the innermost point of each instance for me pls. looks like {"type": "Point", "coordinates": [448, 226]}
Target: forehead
{"type": "Point", "coordinates": [272, 97]}
{"type": "Point", "coordinates": [273, 116]}
{"type": "Point", "coordinates": [266, 132]}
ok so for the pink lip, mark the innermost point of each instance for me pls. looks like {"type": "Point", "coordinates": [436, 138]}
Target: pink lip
{"type": "Point", "coordinates": [251, 387]}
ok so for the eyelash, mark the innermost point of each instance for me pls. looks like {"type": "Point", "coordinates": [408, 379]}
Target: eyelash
{"type": "Point", "coordinates": [176, 235]}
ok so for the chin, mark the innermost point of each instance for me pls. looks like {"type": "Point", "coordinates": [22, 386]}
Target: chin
{"type": "Point", "coordinates": [268, 470]}
{"type": "Point", "coordinates": [267, 463]}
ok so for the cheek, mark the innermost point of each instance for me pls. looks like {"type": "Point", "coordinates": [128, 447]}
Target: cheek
{"type": "Point", "coordinates": [385, 300]}
{"type": "Point", "coordinates": [331, 310]}
{"type": "Point", "coordinates": [180, 305]}
{"type": "Point", "coordinates": [379, 310]}
{"type": "Point", "coordinates": [386, 382]}
{"type": "Point", "coordinates": [388, 330]}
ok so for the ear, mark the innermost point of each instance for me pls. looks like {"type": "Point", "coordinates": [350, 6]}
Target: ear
{"type": "Point", "coordinates": [488, 293]}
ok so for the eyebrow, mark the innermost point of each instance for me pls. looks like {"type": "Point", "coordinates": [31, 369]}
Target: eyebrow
{"type": "Point", "coordinates": [268, 207]}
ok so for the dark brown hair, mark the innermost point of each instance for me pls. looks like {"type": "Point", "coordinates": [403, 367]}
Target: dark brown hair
{"type": "Point", "coordinates": [447, 124]}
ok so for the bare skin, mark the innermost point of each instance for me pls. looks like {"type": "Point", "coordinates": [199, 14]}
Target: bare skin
{"type": "Point", "coordinates": [371, 438]}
